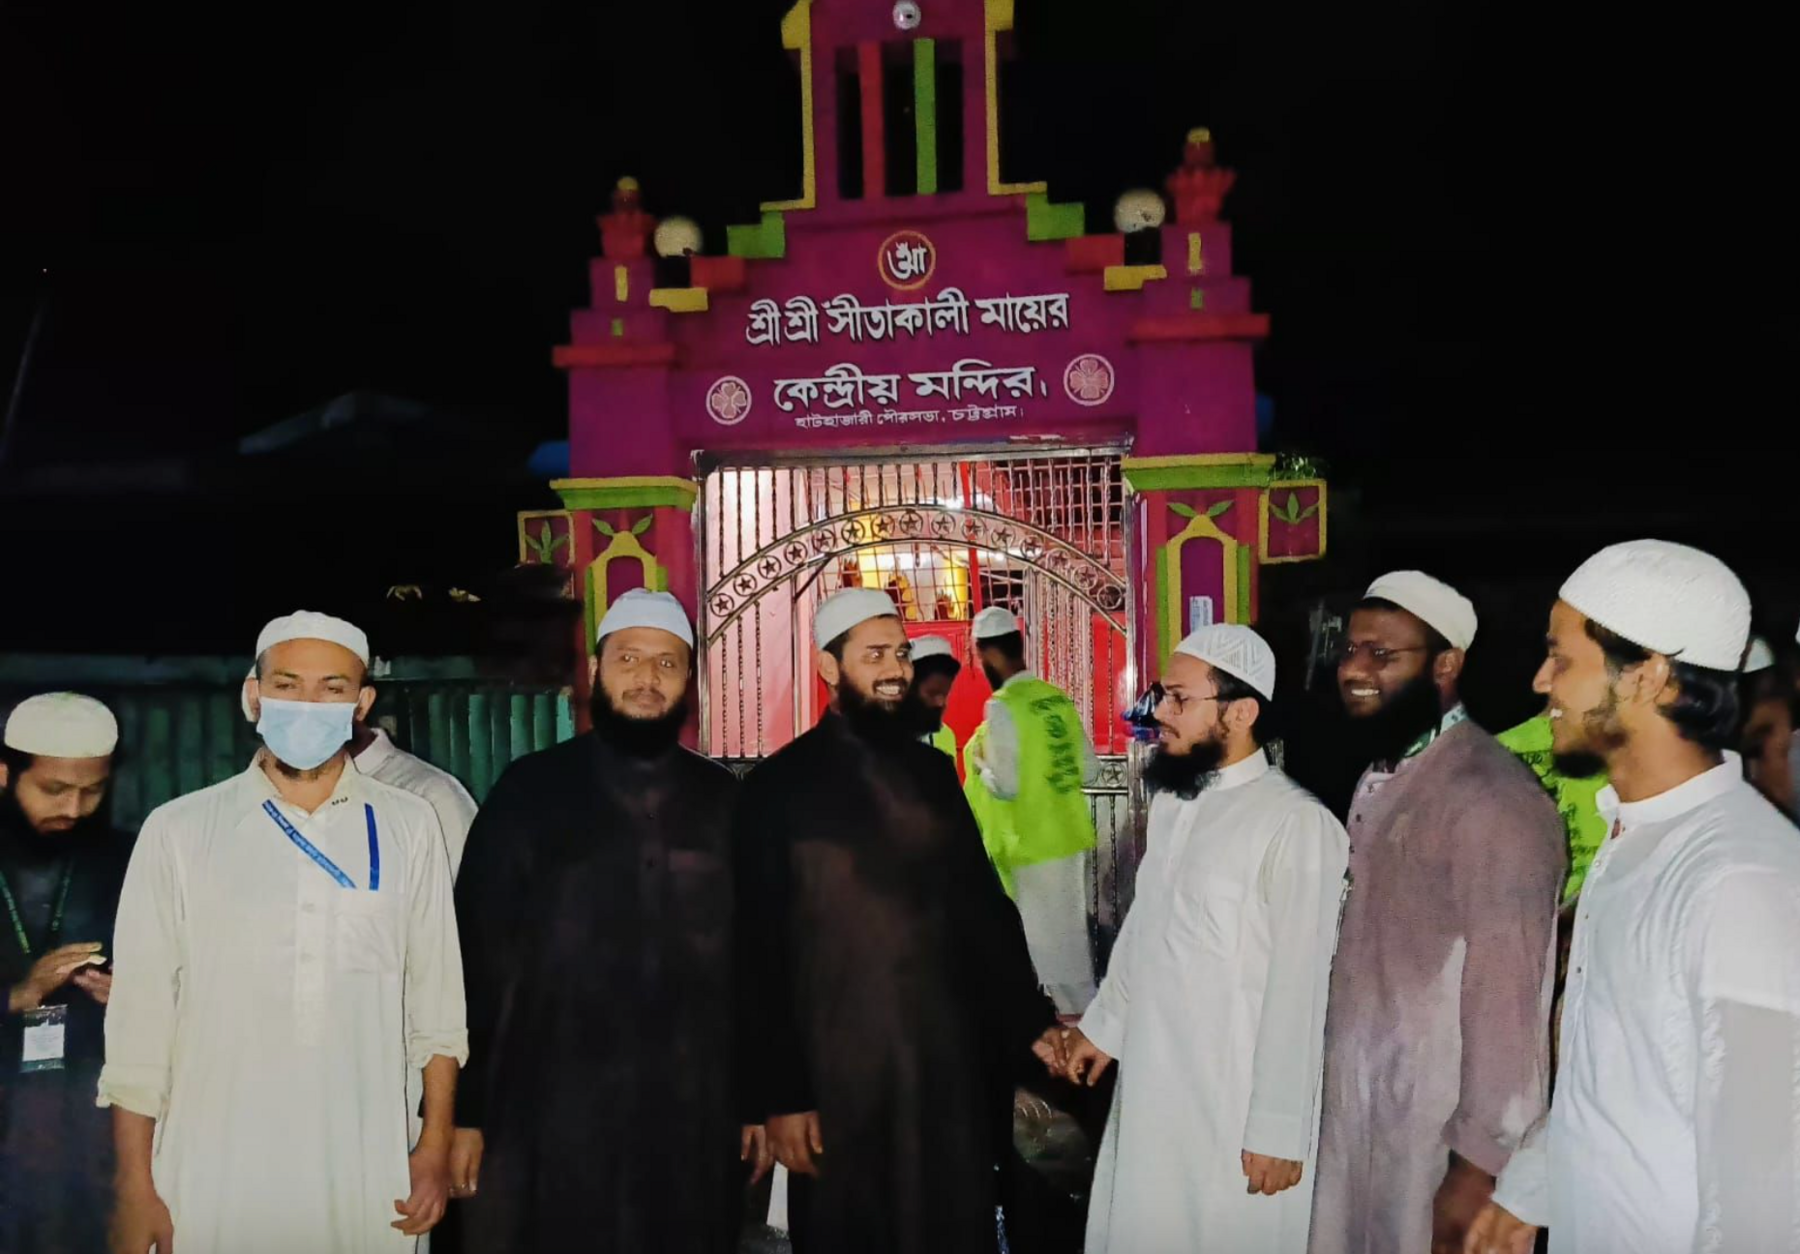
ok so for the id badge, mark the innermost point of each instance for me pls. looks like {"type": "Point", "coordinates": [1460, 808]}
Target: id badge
{"type": "Point", "coordinates": [42, 1045]}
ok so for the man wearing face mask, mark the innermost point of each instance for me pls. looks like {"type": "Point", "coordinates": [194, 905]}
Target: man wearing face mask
{"type": "Point", "coordinates": [1214, 1000]}
{"type": "Point", "coordinates": [286, 957]}
{"type": "Point", "coordinates": [1436, 1041]}
{"type": "Point", "coordinates": [595, 912]}
{"type": "Point", "coordinates": [887, 1003]}
{"type": "Point", "coordinates": [61, 865]}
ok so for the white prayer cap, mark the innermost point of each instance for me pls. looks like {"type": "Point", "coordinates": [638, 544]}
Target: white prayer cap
{"type": "Point", "coordinates": [1236, 650]}
{"type": "Point", "coordinates": [995, 620]}
{"type": "Point", "coordinates": [307, 625]}
{"type": "Point", "coordinates": [841, 611]}
{"type": "Point", "coordinates": [62, 725]}
{"type": "Point", "coordinates": [1667, 598]}
{"type": "Point", "coordinates": [1432, 601]}
{"type": "Point", "coordinates": [1760, 658]}
{"type": "Point", "coordinates": [642, 608]}
{"type": "Point", "coordinates": [931, 646]}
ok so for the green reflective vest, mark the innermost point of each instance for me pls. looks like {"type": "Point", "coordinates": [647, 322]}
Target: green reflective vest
{"type": "Point", "coordinates": [943, 739]}
{"type": "Point", "coordinates": [1575, 798]}
{"type": "Point", "coordinates": [1049, 819]}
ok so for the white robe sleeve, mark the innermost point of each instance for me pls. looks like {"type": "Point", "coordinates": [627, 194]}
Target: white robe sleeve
{"type": "Point", "coordinates": [1000, 755]}
{"type": "Point", "coordinates": [1105, 1019]}
{"type": "Point", "coordinates": [436, 1018]}
{"type": "Point", "coordinates": [1524, 1186]}
{"type": "Point", "coordinates": [1747, 1093]}
{"type": "Point", "coordinates": [1301, 887]}
{"type": "Point", "coordinates": [147, 965]}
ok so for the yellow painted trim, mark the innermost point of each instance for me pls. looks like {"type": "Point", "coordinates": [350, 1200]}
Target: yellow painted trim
{"type": "Point", "coordinates": [1132, 278]}
{"type": "Point", "coordinates": [621, 284]}
{"type": "Point", "coordinates": [1196, 263]}
{"type": "Point", "coordinates": [682, 490]}
{"type": "Point", "coordinates": [796, 36]}
{"type": "Point", "coordinates": [673, 482]}
{"type": "Point", "coordinates": [679, 299]}
{"type": "Point", "coordinates": [1262, 521]}
{"type": "Point", "coordinates": [528, 516]}
{"type": "Point", "coordinates": [999, 18]}
{"type": "Point", "coordinates": [1198, 459]}
{"type": "Point", "coordinates": [1199, 528]}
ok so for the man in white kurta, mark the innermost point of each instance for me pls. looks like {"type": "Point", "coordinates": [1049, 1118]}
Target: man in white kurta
{"type": "Point", "coordinates": [1214, 1001]}
{"type": "Point", "coordinates": [1675, 1125]}
{"type": "Point", "coordinates": [267, 1014]}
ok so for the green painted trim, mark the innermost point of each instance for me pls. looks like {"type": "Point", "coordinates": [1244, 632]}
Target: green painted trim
{"type": "Point", "coordinates": [1045, 220]}
{"type": "Point", "coordinates": [669, 493]}
{"type": "Point", "coordinates": [1178, 478]}
{"type": "Point", "coordinates": [925, 113]}
{"type": "Point", "coordinates": [590, 611]}
{"type": "Point", "coordinates": [1244, 554]}
{"type": "Point", "coordinates": [1162, 590]}
{"type": "Point", "coordinates": [764, 241]}
{"type": "Point", "coordinates": [618, 328]}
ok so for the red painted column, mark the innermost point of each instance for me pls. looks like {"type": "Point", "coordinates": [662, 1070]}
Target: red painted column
{"type": "Point", "coordinates": [874, 134]}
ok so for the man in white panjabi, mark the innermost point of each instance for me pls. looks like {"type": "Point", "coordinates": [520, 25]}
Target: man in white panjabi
{"type": "Point", "coordinates": [1675, 1125]}
{"type": "Point", "coordinates": [374, 753]}
{"type": "Point", "coordinates": [1214, 1002]}
{"type": "Point", "coordinates": [285, 956]}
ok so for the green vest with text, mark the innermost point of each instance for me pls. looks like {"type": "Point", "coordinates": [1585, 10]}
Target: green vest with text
{"type": "Point", "coordinates": [1049, 819]}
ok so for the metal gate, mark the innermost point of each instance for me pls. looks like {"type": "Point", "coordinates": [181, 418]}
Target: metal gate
{"type": "Point", "coordinates": [1044, 535]}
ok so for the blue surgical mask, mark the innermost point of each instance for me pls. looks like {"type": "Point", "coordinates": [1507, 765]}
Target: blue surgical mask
{"type": "Point", "coordinates": [305, 734]}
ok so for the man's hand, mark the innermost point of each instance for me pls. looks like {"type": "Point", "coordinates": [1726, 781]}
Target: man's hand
{"type": "Point", "coordinates": [140, 1222]}
{"type": "Point", "coordinates": [795, 1140]}
{"type": "Point", "coordinates": [1052, 1049]}
{"type": "Point", "coordinates": [754, 1149]}
{"type": "Point", "coordinates": [96, 984]}
{"type": "Point", "coordinates": [51, 972]}
{"type": "Point", "coordinates": [1269, 1176]}
{"type": "Point", "coordinates": [429, 1167]}
{"type": "Point", "coordinates": [1497, 1230]}
{"type": "Point", "coordinates": [466, 1146]}
{"type": "Point", "coordinates": [1087, 1061]}
{"type": "Point", "coordinates": [1465, 1190]}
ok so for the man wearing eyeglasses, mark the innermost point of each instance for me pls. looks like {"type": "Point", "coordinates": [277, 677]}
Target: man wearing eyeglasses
{"type": "Point", "coordinates": [1436, 1040]}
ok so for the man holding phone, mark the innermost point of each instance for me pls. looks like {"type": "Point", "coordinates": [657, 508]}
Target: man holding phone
{"type": "Point", "coordinates": [61, 866]}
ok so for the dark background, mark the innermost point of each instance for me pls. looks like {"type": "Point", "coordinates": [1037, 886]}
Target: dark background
{"type": "Point", "coordinates": [1532, 282]}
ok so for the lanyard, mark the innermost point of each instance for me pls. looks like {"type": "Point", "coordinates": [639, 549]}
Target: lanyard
{"type": "Point", "coordinates": [56, 916]}
{"type": "Point", "coordinates": [326, 864]}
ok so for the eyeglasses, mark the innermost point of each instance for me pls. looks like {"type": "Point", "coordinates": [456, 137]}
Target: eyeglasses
{"type": "Point", "coordinates": [1159, 694]}
{"type": "Point", "coordinates": [1378, 654]}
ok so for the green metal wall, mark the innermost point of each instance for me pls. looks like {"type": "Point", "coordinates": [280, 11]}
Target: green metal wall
{"type": "Point", "coordinates": [180, 727]}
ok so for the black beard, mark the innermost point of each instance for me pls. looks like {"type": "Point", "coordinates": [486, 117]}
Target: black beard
{"type": "Point", "coordinates": [1579, 764]}
{"type": "Point", "coordinates": [994, 677]}
{"type": "Point", "coordinates": [636, 737]}
{"type": "Point", "coordinates": [1184, 774]}
{"type": "Point", "coordinates": [1408, 715]}
{"type": "Point", "coordinates": [872, 719]}
{"type": "Point", "coordinates": [922, 718]}
{"type": "Point", "coordinates": [17, 833]}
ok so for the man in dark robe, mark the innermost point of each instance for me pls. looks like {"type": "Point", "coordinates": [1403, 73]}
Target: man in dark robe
{"type": "Point", "coordinates": [887, 1002]}
{"type": "Point", "coordinates": [594, 903]}
{"type": "Point", "coordinates": [61, 867]}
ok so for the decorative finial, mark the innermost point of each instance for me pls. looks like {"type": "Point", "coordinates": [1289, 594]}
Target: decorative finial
{"type": "Point", "coordinates": [1199, 187]}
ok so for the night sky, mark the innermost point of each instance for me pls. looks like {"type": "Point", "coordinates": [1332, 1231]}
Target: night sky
{"type": "Point", "coordinates": [1531, 284]}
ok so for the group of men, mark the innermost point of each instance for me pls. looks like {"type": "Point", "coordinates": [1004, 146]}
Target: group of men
{"type": "Point", "coordinates": [643, 982]}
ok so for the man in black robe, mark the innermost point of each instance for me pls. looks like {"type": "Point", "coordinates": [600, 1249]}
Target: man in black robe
{"type": "Point", "coordinates": [594, 904]}
{"type": "Point", "coordinates": [887, 1001]}
{"type": "Point", "coordinates": [61, 868]}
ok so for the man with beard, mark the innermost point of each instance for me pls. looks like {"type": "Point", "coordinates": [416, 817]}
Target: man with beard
{"type": "Point", "coordinates": [935, 669]}
{"type": "Point", "coordinates": [595, 910]}
{"type": "Point", "coordinates": [286, 960]}
{"type": "Point", "coordinates": [1436, 1042]}
{"type": "Point", "coordinates": [1676, 1122]}
{"type": "Point", "coordinates": [1214, 1002]}
{"type": "Point", "coordinates": [60, 870]}
{"type": "Point", "coordinates": [887, 1002]}
{"type": "Point", "coordinates": [1025, 768]}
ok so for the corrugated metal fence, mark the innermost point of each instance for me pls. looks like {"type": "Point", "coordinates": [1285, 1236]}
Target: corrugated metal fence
{"type": "Point", "coordinates": [180, 727]}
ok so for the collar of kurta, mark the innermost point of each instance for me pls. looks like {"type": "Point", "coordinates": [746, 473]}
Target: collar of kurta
{"type": "Point", "coordinates": [1676, 801]}
{"type": "Point", "coordinates": [1022, 675]}
{"type": "Point", "coordinates": [1456, 715]}
{"type": "Point", "coordinates": [1238, 774]}
{"type": "Point", "coordinates": [255, 787]}
{"type": "Point", "coordinates": [371, 759]}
